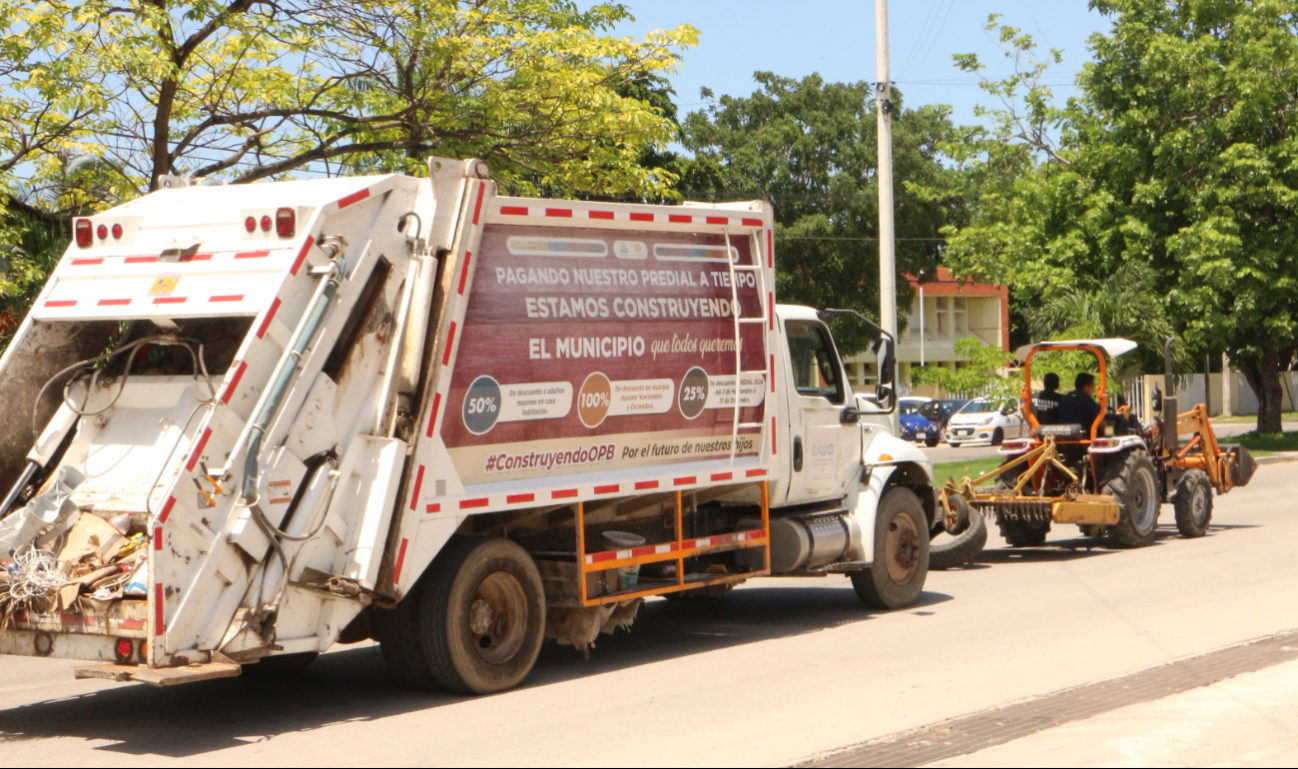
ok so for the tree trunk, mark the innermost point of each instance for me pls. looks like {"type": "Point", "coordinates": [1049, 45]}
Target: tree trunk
{"type": "Point", "coordinates": [1263, 375]}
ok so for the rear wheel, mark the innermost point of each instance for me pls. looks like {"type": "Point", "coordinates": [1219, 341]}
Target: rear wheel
{"type": "Point", "coordinates": [896, 577]}
{"type": "Point", "coordinates": [1133, 482]}
{"type": "Point", "coordinates": [998, 437]}
{"type": "Point", "coordinates": [1193, 504]}
{"type": "Point", "coordinates": [1024, 533]}
{"type": "Point", "coordinates": [480, 619]}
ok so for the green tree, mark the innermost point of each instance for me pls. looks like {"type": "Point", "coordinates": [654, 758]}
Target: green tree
{"type": "Point", "coordinates": [981, 375]}
{"type": "Point", "coordinates": [1177, 154]}
{"type": "Point", "coordinates": [254, 89]}
{"type": "Point", "coordinates": [810, 147]}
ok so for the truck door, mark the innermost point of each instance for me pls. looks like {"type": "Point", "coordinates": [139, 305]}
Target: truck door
{"type": "Point", "coordinates": [824, 450]}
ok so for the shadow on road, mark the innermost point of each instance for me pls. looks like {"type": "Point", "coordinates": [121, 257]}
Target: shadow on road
{"type": "Point", "coordinates": [1082, 547]}
{"type": "Point", "coordinates": [354, 685]}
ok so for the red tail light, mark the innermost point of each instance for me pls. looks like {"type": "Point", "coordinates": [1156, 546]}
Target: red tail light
{"type": "Point", "coordinates": [265, 224]}
{"type": "Point", "coordinates": [124, 650]}
{"type": "Point", "coordinates": [117, 232]}
{"type": "Point", "coordinates": [85, 233]}
{"type": "Point", "coordinates": [286, 222]}
{"type": "Point", "coordinates": [250, 224]}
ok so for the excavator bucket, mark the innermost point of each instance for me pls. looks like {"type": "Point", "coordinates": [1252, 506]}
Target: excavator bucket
{"type": "Point", "coordinates": [1240, 464]}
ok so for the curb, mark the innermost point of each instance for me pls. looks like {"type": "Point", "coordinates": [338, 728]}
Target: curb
{"type": "Point", "coordinates": [1278, 459]}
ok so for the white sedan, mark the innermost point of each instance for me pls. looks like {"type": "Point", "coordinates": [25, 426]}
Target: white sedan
{"type": "Point", "coordinates": [987, 422]}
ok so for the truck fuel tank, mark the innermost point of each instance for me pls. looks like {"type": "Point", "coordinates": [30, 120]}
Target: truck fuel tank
{"type": "Point", "coordinates": [810, 540]}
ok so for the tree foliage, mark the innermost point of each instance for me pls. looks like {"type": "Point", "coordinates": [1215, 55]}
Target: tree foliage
{"type": "Point", "coordinates": [254, 89]}
{"type": "Point", "coordinates": [1179, 153]}
{"type": "Point", "coordinates": [982, 375]}
{"type": "Point", "coordinates": [810, 147]}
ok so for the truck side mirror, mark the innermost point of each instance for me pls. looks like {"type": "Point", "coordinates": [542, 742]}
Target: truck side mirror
{"type": "Point", "coordinates": [850, 416]}
{"type": "Point", "coordinates": [885, 396]}
{"type": "Point", "coordinates": [886, 355]}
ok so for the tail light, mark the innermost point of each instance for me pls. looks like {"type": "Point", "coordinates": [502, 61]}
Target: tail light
{"type": "Point", "coordinates": [85, 233]}
{"type": "Point", "coordinates": [102, 232]}
{"type": "Point", "coordinates": [286, 222]}
{"type": "Point", "coordinates": [117, 232]}
{"type": "Point", "coordinates": [250, 224]}
{"type": "Point", "coordinates": [124, 650]}
{"type": "Point", "coordinates": [265, 224]}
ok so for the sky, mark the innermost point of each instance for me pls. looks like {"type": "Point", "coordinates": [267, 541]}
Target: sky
{"type": "Point", "coordinates": [794, 38]}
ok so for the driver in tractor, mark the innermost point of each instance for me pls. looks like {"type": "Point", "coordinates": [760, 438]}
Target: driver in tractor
{"type": "Point", "coordinates": [1079, 407]}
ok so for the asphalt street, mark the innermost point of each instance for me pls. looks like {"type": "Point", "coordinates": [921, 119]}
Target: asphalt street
{"type": "Point", "coordinates": [774, 673]}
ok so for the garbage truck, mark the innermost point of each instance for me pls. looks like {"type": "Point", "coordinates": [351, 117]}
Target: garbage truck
{"type": "Point", "coordinates": [245, 423]}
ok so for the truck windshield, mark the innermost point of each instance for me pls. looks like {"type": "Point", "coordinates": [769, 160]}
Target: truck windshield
{"type": "Point", "coordinates": [815, 366]}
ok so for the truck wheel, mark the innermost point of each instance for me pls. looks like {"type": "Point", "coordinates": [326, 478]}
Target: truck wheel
{"type": "Point", "coordinates": [1193, 504]}
{"type": "Point", "coordinates": [1134, 483]}
{"type": "Point", "coordinates": [1024, 533]}
{"type": "Point", "coordinates": [896, 577]}
{"type": "Point", "coordinates": [475, 622]}
{"type": "Point", "coordinates": [962, 548]}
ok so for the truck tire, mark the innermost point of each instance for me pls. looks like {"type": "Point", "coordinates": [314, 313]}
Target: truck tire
{"type": "Point", "coordinates": [962, 548]}
{"type": "Point", "coordinates": [1193, 503]}
{"type": "Point", "coordinates": [1133, 482]}
{"type": "Point", "coordinates": [399, 632]}
{"type": "Point", "coordinates": [896, 577]}
{"type": "Point", "coordinates": [483, 612]}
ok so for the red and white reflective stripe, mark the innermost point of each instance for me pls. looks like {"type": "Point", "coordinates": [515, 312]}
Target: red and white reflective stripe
{"type": "Point", "coordinates": [401, 560]}
{"type": "Point", "coordinates": [672, 547]}
{"type": "Point", "coordinates": [542, 212]}
{"type": "Point", "coordinates": [234, 382]}
{"type": "Point", "coordinates": [353, 198]}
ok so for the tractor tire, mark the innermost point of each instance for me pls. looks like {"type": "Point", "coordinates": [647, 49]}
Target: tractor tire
{"type": "Point", "coordinates": [963, 547]}
{"type": "Point", "coordinates": [896, 577]}
{"type": "Point", "coordinates": [478, 619]}
{"type": "Point", "coordinates": [1024, 533]}
{"type": "Point", "coordinates": [1192, 501]}
{"type": "Point", "coordinates": [1133, 482]}
{"type": "Point", "coordinates": [998, 437]}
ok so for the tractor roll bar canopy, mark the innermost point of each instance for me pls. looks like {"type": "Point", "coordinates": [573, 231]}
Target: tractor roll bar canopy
{"type": "Point", "coordinates": [1102, 349]}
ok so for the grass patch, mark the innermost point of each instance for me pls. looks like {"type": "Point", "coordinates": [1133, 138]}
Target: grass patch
{"type": "Point", "coordinates": [1266, 443]}
{"type": "Point", "coordinates": [971, 468]}
{"type": "Point", "coordinates": [1288, 416]}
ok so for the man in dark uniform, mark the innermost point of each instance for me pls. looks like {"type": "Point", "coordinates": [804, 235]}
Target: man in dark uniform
{"type": "Point", "coordinates": [1046, 405]}
{"type": "Point", "coordinates": [1079, 407]}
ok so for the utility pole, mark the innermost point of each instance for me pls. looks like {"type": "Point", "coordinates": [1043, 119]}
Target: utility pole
{"type": "Point", "coordinates": [887, 252]}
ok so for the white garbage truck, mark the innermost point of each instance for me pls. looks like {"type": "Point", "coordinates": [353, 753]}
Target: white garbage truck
{"type": "Point", "coordinates": [417, 411]}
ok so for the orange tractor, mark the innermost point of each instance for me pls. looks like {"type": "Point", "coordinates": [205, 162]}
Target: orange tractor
{"type": "Point", "coordinates": [1109, 477]}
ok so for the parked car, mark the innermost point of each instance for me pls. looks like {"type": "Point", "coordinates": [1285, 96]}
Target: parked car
{"type": "Point", "coordinates": [940, 411]}
{"type": "Point", "coordinates": [985, 421]}
{"type": "Point", "coordinates": [917, 427]}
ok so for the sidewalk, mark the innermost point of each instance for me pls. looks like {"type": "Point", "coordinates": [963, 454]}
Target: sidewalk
{"type": "Point", "coordinates": [1249, 720]}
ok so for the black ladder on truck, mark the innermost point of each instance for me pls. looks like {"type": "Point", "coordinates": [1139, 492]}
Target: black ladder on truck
{"type": "Point", "coordinates": [764, 317]}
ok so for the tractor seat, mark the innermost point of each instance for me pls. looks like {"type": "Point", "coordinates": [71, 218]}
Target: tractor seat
{"type": "Point", "coordinates": [1062, 432]}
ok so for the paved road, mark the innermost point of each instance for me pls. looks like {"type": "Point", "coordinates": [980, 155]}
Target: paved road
{"type": "Point", "coordinates": [775, 672]}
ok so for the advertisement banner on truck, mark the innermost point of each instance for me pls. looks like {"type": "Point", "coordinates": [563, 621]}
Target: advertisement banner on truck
{"type": "Point", "coordinates": [588, 350]}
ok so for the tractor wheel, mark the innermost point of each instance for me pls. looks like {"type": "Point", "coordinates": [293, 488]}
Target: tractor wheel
{"type": "Point", "coordinates": [896, 577]}
{"type": "Point", "coordinates": [1193, 503]}
{"type": "Point", "coordinates": [1133, 482]}
{"type": "Point", "coordinates": [1024, 533]}
{"type": "Point", "coordinates": [998, 437]}
{"type": "Point", "coordinates": [964, 546]}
